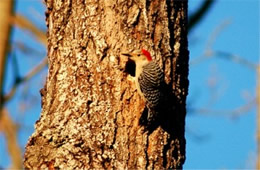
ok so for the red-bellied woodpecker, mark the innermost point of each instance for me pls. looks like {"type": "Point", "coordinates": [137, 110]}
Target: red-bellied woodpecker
{"type": "Point", "coordinates": [149, 80]}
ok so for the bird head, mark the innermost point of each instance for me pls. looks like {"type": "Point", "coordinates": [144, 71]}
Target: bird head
{"type": "Point", "coordinates": [139, 56]}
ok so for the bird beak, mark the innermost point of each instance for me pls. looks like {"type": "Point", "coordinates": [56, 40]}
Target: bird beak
{"type": "Point", "coordinates": [127, 54]}
{"type": "Point", "coordinates": [130, 56]}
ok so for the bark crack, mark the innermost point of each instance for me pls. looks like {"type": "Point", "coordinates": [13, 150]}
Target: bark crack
{"type": "Point", "coordinates": [115, 131]}
{"type": "Point", "coordinates": [165, 149]}
{"type": "Point", "coordinates": [146, 152]}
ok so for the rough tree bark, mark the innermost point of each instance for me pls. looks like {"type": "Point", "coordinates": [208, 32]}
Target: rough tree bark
{"type": "Point", "coordinates": [90, 111]}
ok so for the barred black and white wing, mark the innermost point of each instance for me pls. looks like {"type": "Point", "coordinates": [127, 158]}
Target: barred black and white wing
{"type": "Point", "coordinates": [151, 82]}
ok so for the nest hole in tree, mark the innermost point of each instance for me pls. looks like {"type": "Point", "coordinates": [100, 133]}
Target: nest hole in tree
{"type": "Point", "coordinates": [130, 67]}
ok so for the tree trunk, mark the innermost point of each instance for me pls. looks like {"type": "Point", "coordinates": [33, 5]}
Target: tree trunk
{"type": "Point", "coordinates": [90, 111]}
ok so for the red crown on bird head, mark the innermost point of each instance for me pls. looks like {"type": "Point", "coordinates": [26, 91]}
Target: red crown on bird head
{"type": "Point", "coordinates": [147, 54]}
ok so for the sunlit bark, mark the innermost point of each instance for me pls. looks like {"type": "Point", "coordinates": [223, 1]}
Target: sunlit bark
{"type": "Point", "coordinates": [90, 111]}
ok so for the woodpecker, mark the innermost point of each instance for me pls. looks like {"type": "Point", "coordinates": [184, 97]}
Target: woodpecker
{"type": "Point", "coordinates": [149, 80]}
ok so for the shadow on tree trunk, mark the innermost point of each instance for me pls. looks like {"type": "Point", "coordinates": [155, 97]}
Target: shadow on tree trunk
{"type": "Point", "coordinates": [168, 118]}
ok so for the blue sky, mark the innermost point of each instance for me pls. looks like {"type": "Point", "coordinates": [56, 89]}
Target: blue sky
{"type": "Point", "coordinates": [225, 142]}
{"type": "Point", "coordinates": [215, 139]}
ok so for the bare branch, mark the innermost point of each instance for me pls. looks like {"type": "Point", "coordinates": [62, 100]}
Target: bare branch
{"type": "Point", "coordinates": [5, 29]}
{"type": "Point", "coordinates": [9, 129]}
{"type": "Point", "coordinates": [258, 117]}
{"type": "Point", "coordinates": [26, 49]}
{"type": "Point", "coordinates": [210, 53]}
{"type": "Point", "coordinates": [24, 23]}
{"type": "Point", "coordinates": [33, 72]}
{"type": "Point", "coordinates": [199, 14]}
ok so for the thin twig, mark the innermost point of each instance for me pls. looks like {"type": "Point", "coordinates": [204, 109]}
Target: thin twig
{"type": "Point", "coordinates": [25, 23]}
{"type": "Point", "coordinates": [236, 59]}
{"type": "Point", "coordinates": [209, 44]}
{"type": "Point", "coordinates": [33, 72]}
{"type": "Point", "coordinates": [26, 49]}
{"type": "Point", "coordinates": [231, 113]}
{"type": "Point", "coordinates": [210, 53]}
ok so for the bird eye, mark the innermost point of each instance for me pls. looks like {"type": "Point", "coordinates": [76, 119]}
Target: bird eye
{"type": "Point", "coordinates": [138, 55]}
